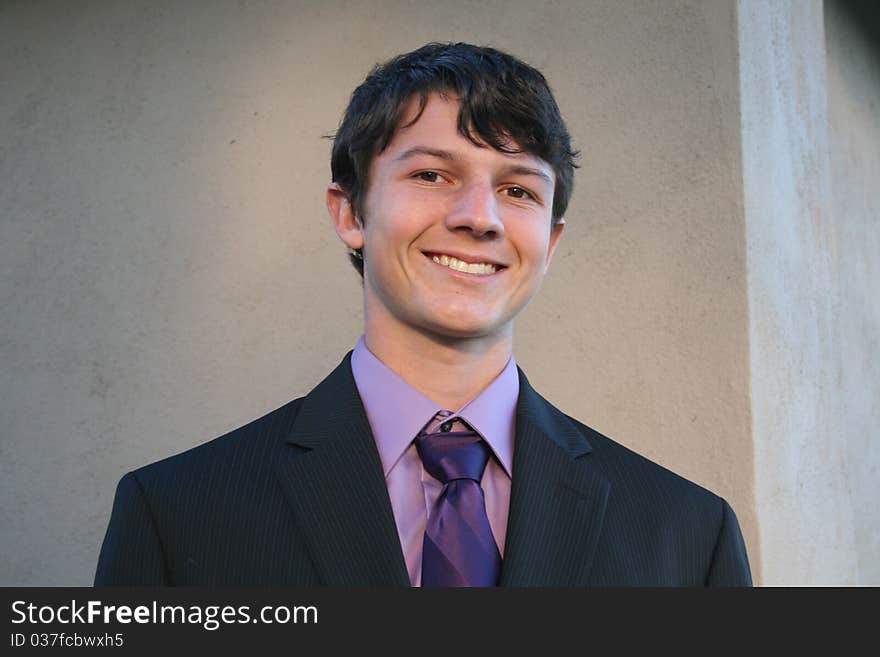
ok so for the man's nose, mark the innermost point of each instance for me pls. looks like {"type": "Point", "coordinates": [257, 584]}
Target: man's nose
{"type": "Point", "coordinates": [476, 210]}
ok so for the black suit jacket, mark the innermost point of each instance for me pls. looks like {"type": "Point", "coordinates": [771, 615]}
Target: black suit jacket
{"type": "Point", "coordinates": [298, 498]}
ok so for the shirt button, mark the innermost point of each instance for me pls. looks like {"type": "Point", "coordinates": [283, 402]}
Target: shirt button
{"type": "Point", "coordinates": [446, 426]}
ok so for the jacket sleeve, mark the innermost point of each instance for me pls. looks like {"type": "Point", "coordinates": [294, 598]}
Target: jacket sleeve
{"type": "Point", "coordinates": [730, 562]}
{"type": "Point", "coordinates": [132, 553]}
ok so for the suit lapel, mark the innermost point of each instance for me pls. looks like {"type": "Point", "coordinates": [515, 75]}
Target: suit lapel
{"type": "Point", "coordinates": [332, 478]}
{"type": "Point", "coordinates": [557, 500]}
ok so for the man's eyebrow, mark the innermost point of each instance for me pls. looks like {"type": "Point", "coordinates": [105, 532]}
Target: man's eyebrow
{"type": "Point", "coordinates": [424, 150]}
{"type": "Point", "coordinates": [529, 171]}
{"type": "Point", "coordinates": [516, 169]}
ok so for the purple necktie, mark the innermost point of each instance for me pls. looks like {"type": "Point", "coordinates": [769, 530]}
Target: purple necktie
{"type": "Point", "coordinates": [459, 548]}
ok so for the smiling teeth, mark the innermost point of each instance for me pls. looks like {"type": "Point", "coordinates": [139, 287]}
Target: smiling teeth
{"type": "Point", "coordinates": [461, 265]}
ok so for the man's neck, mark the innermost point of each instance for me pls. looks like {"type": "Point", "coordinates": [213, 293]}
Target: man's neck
{"type": "Point", "coordinates": [448, 371]}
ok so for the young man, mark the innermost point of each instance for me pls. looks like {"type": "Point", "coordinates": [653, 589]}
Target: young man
{"type": "Point", "coordinates": [426, 458]}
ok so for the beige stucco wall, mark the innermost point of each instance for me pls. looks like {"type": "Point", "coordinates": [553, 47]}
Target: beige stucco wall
{"type": "Point", "coordinates": [167, 272]}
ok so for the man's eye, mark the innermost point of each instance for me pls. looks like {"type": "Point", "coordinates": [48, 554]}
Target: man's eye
{"type": "Point", "coordinates": [519, 192]}
{"type": "Point", "coordinates": [429, 176]}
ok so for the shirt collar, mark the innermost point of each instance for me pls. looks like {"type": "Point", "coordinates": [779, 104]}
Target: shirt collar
{"type": "Point", "coordinates": [397, 411]}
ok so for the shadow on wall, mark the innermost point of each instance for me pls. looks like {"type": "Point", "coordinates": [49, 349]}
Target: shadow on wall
{"type": "Point", "coordinates": [866, 15]}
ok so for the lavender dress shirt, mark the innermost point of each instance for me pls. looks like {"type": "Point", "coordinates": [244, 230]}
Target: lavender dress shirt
{"type": "Point", "coordinates": [397, 412]}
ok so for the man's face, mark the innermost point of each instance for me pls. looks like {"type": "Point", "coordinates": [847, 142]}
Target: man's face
{"type": "Point", "coordinates": [456, 237]}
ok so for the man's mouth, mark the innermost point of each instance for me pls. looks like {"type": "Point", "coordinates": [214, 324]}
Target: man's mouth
{"type": "Point", "coordinates": [478, 268]}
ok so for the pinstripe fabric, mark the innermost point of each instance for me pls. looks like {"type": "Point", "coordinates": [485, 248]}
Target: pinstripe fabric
{"type": "Point", "coordinates": [297, 498]}
{"type": "Point", "coordinates": [586, 511]}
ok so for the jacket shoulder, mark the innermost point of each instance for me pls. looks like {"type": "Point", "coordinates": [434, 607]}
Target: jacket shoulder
{"type": "Point", "coordinates": [239, 450]}
{"type": "Point", "coordinates": [694, 534]}
{"type": "Point", "coordinates": [201, 515]}
{"type": "Point", "coordinates": [640, 475]}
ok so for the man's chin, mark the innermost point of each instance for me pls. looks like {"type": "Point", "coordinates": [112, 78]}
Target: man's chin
{"type": "Point", "coordinates": [468, 330]}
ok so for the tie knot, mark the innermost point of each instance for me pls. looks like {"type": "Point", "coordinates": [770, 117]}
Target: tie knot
{"type": "Point", "coordinates": [451, 450]}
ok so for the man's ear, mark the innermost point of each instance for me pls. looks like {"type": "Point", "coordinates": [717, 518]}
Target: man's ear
{"type": "Point", "coordinates": [555, 235]}
{"type": "Point", "coordinates": [347, 225]}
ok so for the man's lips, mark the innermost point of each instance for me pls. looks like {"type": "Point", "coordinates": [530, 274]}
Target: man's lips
{"type": "Point", "coordinates": [465, 263]}
{"type": "Point", "coordinates": [470, 258]}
